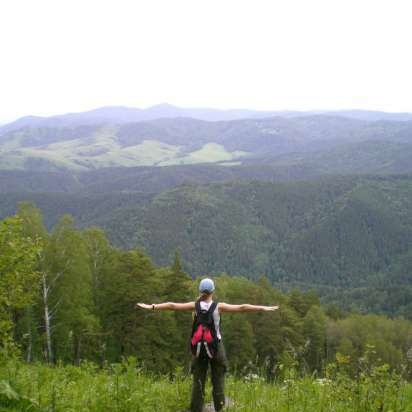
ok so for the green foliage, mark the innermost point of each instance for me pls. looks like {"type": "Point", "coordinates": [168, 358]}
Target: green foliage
{"type": "Point", "coordinates": [18, 256]}
{"type": "Point", "coordinates": [354, 335]}
{"type": "Point", "coordinates": [19, 280]}
{"type": "Point", "coordinates": [314, 330]}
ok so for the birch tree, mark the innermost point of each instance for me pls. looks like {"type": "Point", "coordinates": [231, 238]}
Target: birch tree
{"type": "Point", "coordinates": [71, 297]}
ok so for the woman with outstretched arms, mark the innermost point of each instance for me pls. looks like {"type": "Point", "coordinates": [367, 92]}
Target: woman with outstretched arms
{"type": "Point", "coordinates": [206, 341]}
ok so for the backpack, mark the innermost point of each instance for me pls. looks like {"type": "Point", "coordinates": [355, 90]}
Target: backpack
{"type": "Point", "coordinates": [204, 340]}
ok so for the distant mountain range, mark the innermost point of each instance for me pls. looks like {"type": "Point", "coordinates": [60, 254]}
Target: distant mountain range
{"type": "Point", "coordinates": [166, 135]}
{"type": "Point", "coordinates": [122, 115]}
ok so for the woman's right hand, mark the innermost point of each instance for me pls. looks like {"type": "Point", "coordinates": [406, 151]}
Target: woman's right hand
{"type": "Point", "coordinates": [143, 306]}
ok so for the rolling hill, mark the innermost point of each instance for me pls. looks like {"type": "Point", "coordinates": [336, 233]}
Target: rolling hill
{"type": "Point", "coordinates": [281, 141]}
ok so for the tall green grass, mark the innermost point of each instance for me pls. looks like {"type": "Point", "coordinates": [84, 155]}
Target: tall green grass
{"type": "Point", "coordinates": [126, 387]}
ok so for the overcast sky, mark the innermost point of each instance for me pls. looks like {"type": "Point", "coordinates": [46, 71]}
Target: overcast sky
{"type": "Point", "coordinates": [62, 56]}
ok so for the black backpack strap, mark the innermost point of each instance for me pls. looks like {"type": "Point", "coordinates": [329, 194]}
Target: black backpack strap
{"type": "Point", "coordinates": [197, 307]}
{"type": "Point", "coordinates": [213, 307]}
{"type": "Point", "coordinates": [196, 317]}
{"type": "Point", "coordinates": [210, 311]}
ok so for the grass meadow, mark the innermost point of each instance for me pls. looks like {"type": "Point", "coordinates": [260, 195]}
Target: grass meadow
{"type": "Point", "coordinates": [125, 388]}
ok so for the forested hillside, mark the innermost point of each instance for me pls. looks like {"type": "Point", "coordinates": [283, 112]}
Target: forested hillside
{"type": "Point", "coordinates": [146, 179]}
{"type": "Point", "coordinates": [348, 237]}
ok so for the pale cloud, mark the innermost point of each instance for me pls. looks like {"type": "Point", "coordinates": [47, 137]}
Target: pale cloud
{"type": "Point", "coordinates": [59, 56]}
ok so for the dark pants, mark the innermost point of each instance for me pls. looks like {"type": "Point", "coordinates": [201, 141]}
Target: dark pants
{"type": "Point", "coordinates": [218, 367]}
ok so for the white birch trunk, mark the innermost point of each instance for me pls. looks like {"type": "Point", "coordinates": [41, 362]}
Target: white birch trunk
{"type": "Point", "coordinates": [47, 318]}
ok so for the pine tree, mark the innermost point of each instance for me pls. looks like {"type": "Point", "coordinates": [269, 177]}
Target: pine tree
{"type": "Point", "coordinates": [314, 330]}
{"type": "Point", "coordinates": [178, 288]}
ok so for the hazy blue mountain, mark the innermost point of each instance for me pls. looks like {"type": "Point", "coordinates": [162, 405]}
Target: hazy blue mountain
{"type": "Point", "coordinates": [371, 115]}
{"type": "Point", "coordinates": [27, 121]}
{"type": "Point", "coordinates": [121, 115]}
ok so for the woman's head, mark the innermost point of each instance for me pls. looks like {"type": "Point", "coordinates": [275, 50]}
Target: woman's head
{"type": "Point", "coordinates": [206, 288]}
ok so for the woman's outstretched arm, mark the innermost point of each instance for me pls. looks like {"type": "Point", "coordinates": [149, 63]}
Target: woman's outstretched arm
{"type": "Point", "coordinates": [225, 307]}
{"type": "Point", "coordinates": [167, 306]}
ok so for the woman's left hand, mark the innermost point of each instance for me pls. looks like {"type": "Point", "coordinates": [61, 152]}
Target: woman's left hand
{"type": "Point", "coordinates": [271, 308]}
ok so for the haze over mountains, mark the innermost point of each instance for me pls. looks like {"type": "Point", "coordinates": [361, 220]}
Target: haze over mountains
{"type": "Point", "coordinates": [120, 114]}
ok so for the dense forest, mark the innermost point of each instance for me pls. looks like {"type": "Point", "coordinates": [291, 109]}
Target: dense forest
{"type": "Point", "coordinates": [69, 295]}
{"type": "Point", "coordinates": [348, 237]}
